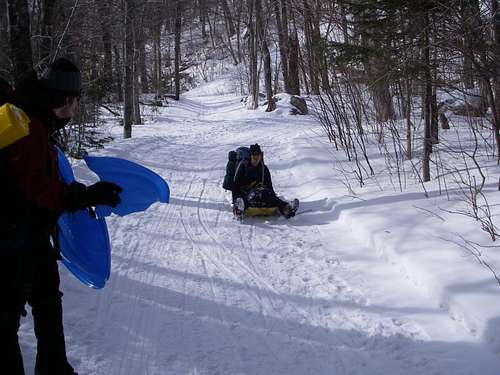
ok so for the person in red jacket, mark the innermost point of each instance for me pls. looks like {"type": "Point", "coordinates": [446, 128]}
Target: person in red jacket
{"type": "Point", "coordinates": [32, 200]}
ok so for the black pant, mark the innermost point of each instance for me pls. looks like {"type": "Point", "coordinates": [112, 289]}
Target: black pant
{"type": "Point", "coordinates": [263, 197]}
{"type": "Point", "coordinates": [32, 276]}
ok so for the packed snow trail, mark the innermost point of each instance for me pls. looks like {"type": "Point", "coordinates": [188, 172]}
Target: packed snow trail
{"type": "Point", "coordinates": [193, 291]}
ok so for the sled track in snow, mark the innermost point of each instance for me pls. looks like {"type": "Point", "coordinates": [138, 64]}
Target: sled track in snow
{"type": "Point", "coordinates": [217, 251]}
{"type": "Point", "coordinates": [256, 286]}
{"type": "Point", "coordinates": [137, 318]}
{"type": "Point", "coordinates": [200, 251]}
{"type": "Point", "coordinates": [126, 288]}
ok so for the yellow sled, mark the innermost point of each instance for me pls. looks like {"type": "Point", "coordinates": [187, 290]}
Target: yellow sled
{"type": "Point", "coordinates": [14, 125]}
{"type": "Point", "coordinates": [261, 211]}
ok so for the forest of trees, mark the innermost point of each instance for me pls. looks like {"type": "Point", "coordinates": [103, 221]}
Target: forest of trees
{"type": "Point", "coordinates": [368, 62]}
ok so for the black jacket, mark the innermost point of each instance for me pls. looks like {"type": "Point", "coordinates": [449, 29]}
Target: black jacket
{"type": "Point", "coordinates": [247, 177]}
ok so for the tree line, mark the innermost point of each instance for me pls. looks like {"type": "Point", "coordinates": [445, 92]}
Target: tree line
{"type": "Point", "coordinates": [367, 60]}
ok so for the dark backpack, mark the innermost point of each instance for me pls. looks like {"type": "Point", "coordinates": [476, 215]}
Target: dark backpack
{"type": "Point", "coordinates": [241, 154]}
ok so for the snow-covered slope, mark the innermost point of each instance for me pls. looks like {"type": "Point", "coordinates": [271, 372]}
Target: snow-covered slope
{"type": "Point", "coordinates": [363, 286]}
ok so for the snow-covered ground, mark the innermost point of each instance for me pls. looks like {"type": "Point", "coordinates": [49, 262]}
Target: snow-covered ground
{"type": "Point", "coordinates": [369, 285]}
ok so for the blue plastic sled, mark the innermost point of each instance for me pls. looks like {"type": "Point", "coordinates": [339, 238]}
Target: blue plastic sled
{"type": "Point", "coordinates": [83, 240]}
{"type": "Point", "coordinates": [141, 186]}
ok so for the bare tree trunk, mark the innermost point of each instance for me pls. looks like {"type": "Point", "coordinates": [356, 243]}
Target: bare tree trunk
{"type": "Point", "coordinates": [167, 59]}
{"type": "Point", "coordinates": [238, 21]}
{"type": "Point", "coordinates": [157, 59]}
{"type": "Point", "coordinates": [293, 65]}
{"type": "Point", "coordinates": [382, 98]}
{"type": "Point", "coordinates": [343, 21]}
{"type": "Point", "coordinates": [496, 80]}
{"type": "Point", "coordinates": [21, 53]}
{"type": "Point", "coordinates": [319, 48]}
{"type": "Point", "coordinates": [128, 62]}
{"type": "Point", "coordinates": [434, 117]}
{"type": "Point", "coordinates": [211, 31]}
{"type": "Point", "coordinates": [470, 18]}
{"type": "Point", "coordinates": [282, 25]}
{"type": "Point", "coordinates": [203, 20]}
{"type": "Point", "coordinates": [230, 31]}
{"type": "Point", "coordinates": [137, 90]}
{"type": "Point", "coordinates": [4, 42]}
{"type": "Point", "coordinates": [406, 99]}
{"type": "Point", "coordinates": [93, 91]}
{"type": "Point", "coordinates": [178, 24]}
{"type": "Point", "coordinates": [239, 53]}
{"type": "Point", "coordinates": [228, 18]}
{"type": "Point", "coordinates": [140, 76]}
{"type": "Point", "coordinates": [119, 74]}
{"type": "Point", "coordinates": [310, 49]}
{"type": "Point", "coordinates": [409, 125]}
{"type": "Point", "coordinates": [426, 171]}
{"type": "Point", "coordinates": [434, 77]}
{"type": "Point", "coordinates": [107, 69]}
{"type": "Point", "coordinates": [46, 30]}
{"type": "Point", "coordinates": [254, 74]}
{"type": "Point", "coordinates": [141, 49]}
{"type": "Point", "coordinates": [137, 85]}
{"type": "Point", "coordinates": [302, 70]}
{"type": "Point", "coordinates": [484, 94]}
{"type": "Point", "coordinates": [271, 106]}
{"type": "Point", "coordinates": [316, 63]}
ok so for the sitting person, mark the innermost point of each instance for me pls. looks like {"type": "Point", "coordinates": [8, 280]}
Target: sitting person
{"type": "Point", "coordinates": [252, 186]}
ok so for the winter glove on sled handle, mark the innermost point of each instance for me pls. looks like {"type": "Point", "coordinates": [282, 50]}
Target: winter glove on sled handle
{"type": "Point", "coordinates": [100, 193]}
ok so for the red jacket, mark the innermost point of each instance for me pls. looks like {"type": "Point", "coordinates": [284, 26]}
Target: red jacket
{"type": "Point", "coordinates": [34, 174]}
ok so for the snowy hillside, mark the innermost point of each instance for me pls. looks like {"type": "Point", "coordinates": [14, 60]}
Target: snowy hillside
{"type": "Point", "coordinates": [374, 284]}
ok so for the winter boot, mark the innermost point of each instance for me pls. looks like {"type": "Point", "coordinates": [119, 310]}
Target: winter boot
{"type": "Point", "coordinates": [291, 208]}
{"type": "Point", "coordinates": [238, 208]}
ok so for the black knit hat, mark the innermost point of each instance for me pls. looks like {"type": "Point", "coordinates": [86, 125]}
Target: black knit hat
{"type": "Point", "coordinates": [255, 149]}
{"type": "Point", "coordinates": [62, 77]}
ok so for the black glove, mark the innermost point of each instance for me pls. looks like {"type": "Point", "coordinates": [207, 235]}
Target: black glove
{"type": "Point", "coordinates": [82, 197]}
{"type": "Point", "coordinates": [102, 192]}
{"type": "Point", "coordinates": [77, 196]}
